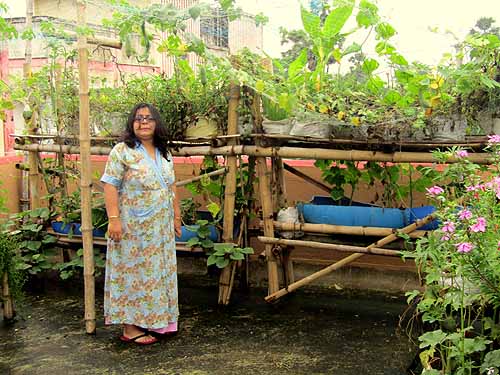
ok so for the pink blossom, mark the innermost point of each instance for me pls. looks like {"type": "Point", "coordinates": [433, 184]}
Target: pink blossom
{"type": "Point", "coordinates": [495, 138]}
{"type": "Point", "coordinates": [498, 246]}
{"type": "Point", "coordinates": [462, 154]}
{"type": "Point", "coordinates": [475, 187]}
{"type": "Point", "coordinates": [435, 190]}
{"type": "Point", "coordinates": [448, 226]}
{"type": "Point", "coordinates": [465, 214]}
{"type": "Point", "coordinates": [446, 238]}
{"type": "Point", "coordinates": [480, 225]}
{"type": "Point", "coordinates": [464, 247]}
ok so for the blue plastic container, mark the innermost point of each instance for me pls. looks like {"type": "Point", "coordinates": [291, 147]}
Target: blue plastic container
{"type": "Point", "coordinates": [74, 228]}
{"type": "Point", "coordinates": [353, 215]}
{"type": "Point", "coordinates": [414, 213]}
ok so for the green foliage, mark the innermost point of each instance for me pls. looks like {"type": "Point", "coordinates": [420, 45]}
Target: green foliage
{"type": "Point", "coordinates": [35, 245]}
{"type": "Point", "coordinates": [460, 264]}
{"type": "Point", "coordinates": [223, 253]}
{"type": "Point", "coordinates": [10, 264]}
{"type": "Point", "coordinates": [75, 265]}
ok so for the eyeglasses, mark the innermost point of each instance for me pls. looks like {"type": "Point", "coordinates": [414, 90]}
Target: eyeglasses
{"type": "Point", "coordinates": [140, 118]}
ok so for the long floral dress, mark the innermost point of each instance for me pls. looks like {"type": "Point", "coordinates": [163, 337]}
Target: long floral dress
{"type": "Point", "coordinates": [141, 269]}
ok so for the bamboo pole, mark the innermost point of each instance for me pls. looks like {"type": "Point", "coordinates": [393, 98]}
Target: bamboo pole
{"type": "Point", "coordinates": [204, 175]}
{"type": "Point", "coordinates": [227, 274]}
{"type": "Point", "coordinates": [279, 186]}
{"type": "Point", "coordinates": [311, 180]}
{"type": "Point", "coordinates": [8, 305]}
{"type": "Point", "coordinates": [329, 246]}
{"type": "Point", "coordinates": [284, 152]}
{"type": "Point", "coordinates": [349, 259]}
{"type": "Point", "coordinates": [86, 174]}
{"type": "Point", "coordinates": [341, 229]}
{"type": "Point", "coordinates": [265, 201]}
{"type": "Point", "coordinates": [33, 175]}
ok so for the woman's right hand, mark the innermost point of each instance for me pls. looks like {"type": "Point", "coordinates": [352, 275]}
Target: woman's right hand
{"type": "Point", "coordinates": [115, 229]}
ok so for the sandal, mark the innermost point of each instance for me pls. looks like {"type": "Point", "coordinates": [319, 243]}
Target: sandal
{"type": "Point", "coordinates": [150, 341]}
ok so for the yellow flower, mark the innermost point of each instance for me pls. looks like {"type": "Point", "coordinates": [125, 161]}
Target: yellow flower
{"type": "Point", "coordinates": [341, 115]}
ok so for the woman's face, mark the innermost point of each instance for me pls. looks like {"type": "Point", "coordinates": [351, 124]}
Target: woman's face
{"type": "Point", "coordinates": [144, 125]}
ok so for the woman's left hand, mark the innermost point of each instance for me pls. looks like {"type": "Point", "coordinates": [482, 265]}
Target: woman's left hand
{"type": "Point", "coordinates": [178, 227]}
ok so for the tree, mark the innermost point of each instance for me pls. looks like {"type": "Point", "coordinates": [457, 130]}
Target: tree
{"type": "Point", "coordinates": [485, 25]}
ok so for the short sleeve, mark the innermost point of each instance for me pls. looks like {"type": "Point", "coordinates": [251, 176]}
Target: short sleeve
{"type": "Point", "coordinates": [115, 167]}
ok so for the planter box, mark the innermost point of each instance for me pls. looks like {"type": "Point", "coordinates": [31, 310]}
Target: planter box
{"type": "Point", "coordinates": [74, 229]}
{"type": "Point", "coordinates": [364, 215]}
{"type": "Point", "coordinates": [189, 231]}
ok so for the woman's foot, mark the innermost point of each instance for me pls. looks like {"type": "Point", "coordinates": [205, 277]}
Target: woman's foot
{"type": "Point", "coordinates": [132, 333]}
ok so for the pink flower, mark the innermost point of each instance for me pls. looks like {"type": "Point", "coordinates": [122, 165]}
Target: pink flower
{"type": "Point", "coordinates": [462, 154]}
{"type": "Point", "coordinates": [498, 246]}
{"type": "Point", "coordinates": [465, 214]}
{"type": "Point", "coordinates": [475, 187]}
{"type": "Point", "coordinates": [435, 190]}
{"type": "Point", "coordinates": [446, 238]}
{"type": "Point", "coordinates": [480, 225]}
{"type": "Point", "coordinates": [448, 226]}
{"type": "Point", "coordinates": [495, 138]}
{"type": "Point", "coordinates": [464, 247]}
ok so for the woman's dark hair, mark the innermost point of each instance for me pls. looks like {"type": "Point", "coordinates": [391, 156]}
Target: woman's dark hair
{"type": "Point", "coordinates": [160, 137]}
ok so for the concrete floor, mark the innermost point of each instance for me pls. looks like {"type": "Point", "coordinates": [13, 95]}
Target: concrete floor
{"type": "Point", "coordinates": [313, 331]}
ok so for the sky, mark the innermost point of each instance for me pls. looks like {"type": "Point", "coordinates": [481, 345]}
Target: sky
{"type": "Point", "coordinates": [412, 20]}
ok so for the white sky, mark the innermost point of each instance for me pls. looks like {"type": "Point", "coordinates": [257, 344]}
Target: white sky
{"type": "Point", "coordinates": [410, 18]}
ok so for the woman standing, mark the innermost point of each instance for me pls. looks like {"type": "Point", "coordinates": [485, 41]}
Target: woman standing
{"type": "Point", "coordinates": [144, 216]}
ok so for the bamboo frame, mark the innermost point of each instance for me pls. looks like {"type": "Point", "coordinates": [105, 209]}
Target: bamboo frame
{"type": "Point", "coordinates": [329, 246]}
{"type": "Point", "coordinates": [227, 275]}
{"type": "Point", "coordinates": [283, 152]}
{"type": "Point", "coordinates": [349, 259]}
{"type": "Point", "coordinates": [86, 175]}
{"type": "Point", "coordinates": [341, 229]}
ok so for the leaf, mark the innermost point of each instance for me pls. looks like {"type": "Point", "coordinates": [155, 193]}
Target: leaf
{"type": "Point", "coordinates": [311, 23]}
{"type": "Point", "coordinates": [194, 241]}
{"type": "Point", "coordinates": [297, 65]}
{"type": "Point", "coordinates": [491, 359]}
{"type": "Point", "coordinates": [33, 245]}
{"type": "Point", "coordinates": [353, 48]}
{"type": "Point", "coordinates": [222, 262]}
{"type": "Point", "coordinates": [337, 19]}
{"type": "Point", "coordinates": [385, 31]}
{"type": "Point", "coordinates": [398, 59]}
{"type": "Point", "coordinates": [367, 15]}
{"type": "Point", "coordinates": [392, 97]}
{"type": "Point", "coordinates": [237, 256]}
{"type": "Point", "coordinates": [432, 338]}
{"type": "Point", "coordinates": [369, 66]}
{"type": "Point", "coordinates": [259, 85]}
{"type": "Point", "coordinates": [212, 259]}
{"type": "Point", "coordinates": [247, 250]}
{"type": "Point", "coordinates": [213, 208]}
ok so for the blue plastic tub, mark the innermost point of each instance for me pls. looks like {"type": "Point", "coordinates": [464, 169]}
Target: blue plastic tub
{"type": "Point", "coordinates": [74, 228]}
{"type": "Point", "coordinates": [353, 215]}
{"type": "Point", "coordinates": [414, 213]}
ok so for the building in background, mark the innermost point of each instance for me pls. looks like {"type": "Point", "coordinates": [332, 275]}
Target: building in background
{"type": "Point", "coordinates": [221, 36]}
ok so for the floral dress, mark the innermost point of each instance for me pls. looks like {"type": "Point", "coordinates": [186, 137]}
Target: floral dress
{"type": "Point", "coordinates": [141, 269]}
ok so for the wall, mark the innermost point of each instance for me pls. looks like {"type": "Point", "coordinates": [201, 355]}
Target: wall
{"type": "Point", "coordinates": [10, 179]}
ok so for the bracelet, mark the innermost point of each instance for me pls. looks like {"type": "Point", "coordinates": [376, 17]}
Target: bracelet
{"type": "Point", "coordinates": [113, 217]}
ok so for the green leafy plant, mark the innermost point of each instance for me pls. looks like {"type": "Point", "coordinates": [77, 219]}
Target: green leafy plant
{"type": "Point", "coordinates": [459, 264]}
{"type": "Point", "coordinates": [36, 245]}
{"type": "Point", "coordinates": [75, 265]}
{"type": "Point", "coordinates": [224, 253]}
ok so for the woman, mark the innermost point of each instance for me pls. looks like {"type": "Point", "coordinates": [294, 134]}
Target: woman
{"type": "Point", "coordinates": [144, 216]}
